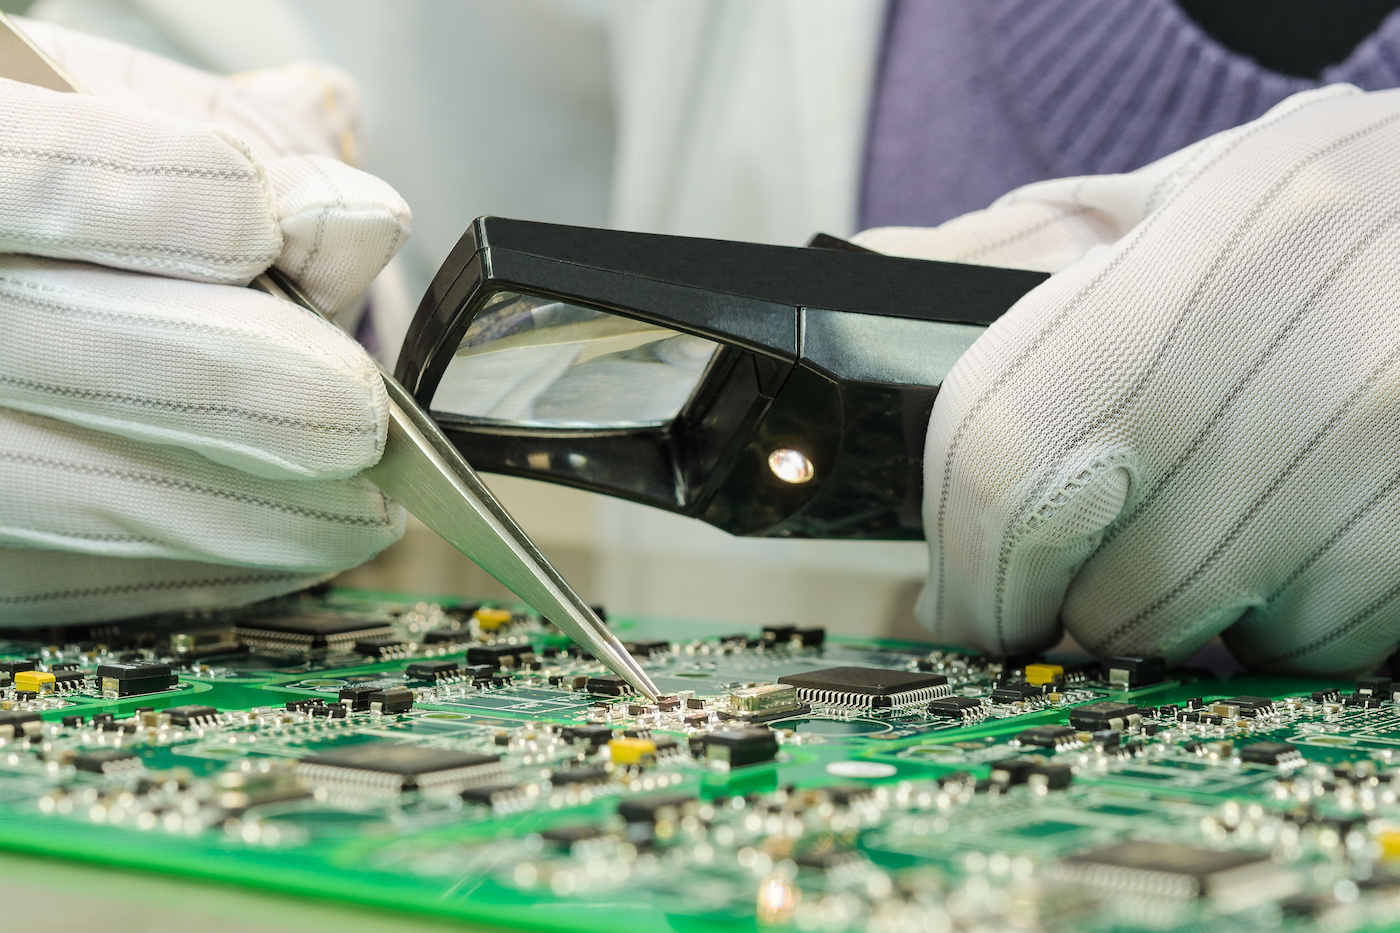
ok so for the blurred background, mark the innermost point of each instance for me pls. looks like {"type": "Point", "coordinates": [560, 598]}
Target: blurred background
{"type": "Point", "coordinates": [550, 110]}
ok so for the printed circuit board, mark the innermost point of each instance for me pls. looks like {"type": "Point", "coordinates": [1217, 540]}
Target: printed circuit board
{"type": "Point", "coordinates": [466, 761]}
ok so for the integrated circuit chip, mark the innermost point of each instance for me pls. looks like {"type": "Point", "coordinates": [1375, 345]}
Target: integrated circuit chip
{"type": "Point", "coordinates": [395, 768]}
{"type": "Point", "coordinates": [1106, 715]}
{"type": "Point", "coordinates": [1270, 753]}
{"type": "Point", "coordinates": [955, 708]}
{"type": "Point", "coordinates": [870, 688]}
{"type": "Point", "coordinates": [1175, 871]}
{"type": "Point", "coordinates": [309, 632]}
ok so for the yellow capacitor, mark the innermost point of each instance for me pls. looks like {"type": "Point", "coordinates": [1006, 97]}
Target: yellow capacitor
{"type": "Point", "coordinates": [491, 619]}
{"type": "Point", "coordinates": [627, 751]}
{"type": "Point", "coordinates": [1038, 674]}
{"type": "Point", "coordinates": [34, 681]}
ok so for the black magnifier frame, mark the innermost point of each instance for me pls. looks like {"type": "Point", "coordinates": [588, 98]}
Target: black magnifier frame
{"type": "Point", "coordinates": [833, 353]}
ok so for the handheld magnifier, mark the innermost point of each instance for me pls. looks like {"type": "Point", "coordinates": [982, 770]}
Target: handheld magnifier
{"type": "Point", "coordinates": [767, 390]}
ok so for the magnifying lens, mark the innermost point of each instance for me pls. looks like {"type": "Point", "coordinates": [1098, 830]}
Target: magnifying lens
{"type": "Point", "coordinates": [767, 390]}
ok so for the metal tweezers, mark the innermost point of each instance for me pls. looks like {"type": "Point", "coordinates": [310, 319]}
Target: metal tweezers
{"type": "Point", "coordinates": [420, 469]}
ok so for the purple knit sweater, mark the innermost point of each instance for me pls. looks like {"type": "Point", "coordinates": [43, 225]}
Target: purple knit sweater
{"type": "Point", "coordinates": [976, 97]}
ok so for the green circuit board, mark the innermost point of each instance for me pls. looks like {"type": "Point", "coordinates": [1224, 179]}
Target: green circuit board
{"type": "Point", "coordinates": [465, 761]}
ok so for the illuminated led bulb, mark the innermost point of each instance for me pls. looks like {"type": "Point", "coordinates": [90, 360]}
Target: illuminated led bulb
{"type": "Point", "coordinates": [790, 465]}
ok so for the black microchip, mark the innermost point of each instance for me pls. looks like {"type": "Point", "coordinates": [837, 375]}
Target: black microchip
{"type": "Point", "coordinates": [392, 700]}
{"type": "Point", "coordinates": [1013, 771]}
{"type": "Point", "coordinates": [777, 634]}
{"type": "Point", "coordinates": [405, 766]}
{"type": "Point", "coordinates": [1045, 736]}
{"type": "Point", "coordinates": [357, 695]}
{"type": "Point", "coordinates": [1250, 706]}
{"type": "Point", "coordinates": [309, 632]}
{"type": "Point", "coordinates": [655, 807]}
{"type": "Point", "coordinates": [445, 636]}
{"type": "Point", "coordinates": [568, 776]}
{"type": "Point", "coordinates": [69, 680]}
{"type": "Point", "coordinates": [18, 666]}
{"type": "Point", "coordinates": [103, 760]}
{"type": "Point", "coordinates": [1136, 672]}
{"type": "Point", "coordinates": [1185, 871]}
{"type": "Point", "coordinates": [645, 649]}
{"type": "Point", "coordinates": [432, 671]}
{"type": "Point", "coordinates": [136, 677]}
{"type": "Point", "coordinates": [191, 715]}
{"type": "Point", "coordinates": [608, 685]}
{"type": "Point", "coordinates": [1268, 753]}
{"type": "Point", "coordinates": [1378, 687]}
{"type": "Point", "coordinates": [954, 707]}
{"type": "Point", "coordinates": [498, 656]}
{"type": "Point", "coordinates": [490, 794]}
{"type": "Point", "coordinates": [865, 687]}
{"type": "Point", "coordinates": [65, 666]}
{"type": "Point", "coordinates": [591, 735]}
{"type": "Point", "coordinates": [377, 646]}
{"type": "Point", "coordinates": [810, 637]}
{"type": "Point", "coordinates": [1015, 693]}
{"type": "Point", "coordinates": [1105, 715]}
{"type": "Point", "coordinates": [1056, 777]}
{"type": "Point", "coordinates": [567, 836]}
{"type": "Point", "coordinates": [740, 747]}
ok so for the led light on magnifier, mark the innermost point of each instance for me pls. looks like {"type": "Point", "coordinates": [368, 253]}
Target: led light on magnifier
{"type": "Point", "coordinates": [791, 466]}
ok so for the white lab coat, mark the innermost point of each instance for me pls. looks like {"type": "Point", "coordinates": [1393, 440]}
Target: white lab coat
{"type": "Point", "coordinates": [722, 118]}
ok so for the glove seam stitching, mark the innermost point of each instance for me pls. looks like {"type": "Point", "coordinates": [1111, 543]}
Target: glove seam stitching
{"type": "Point", "coordinates": [155, 585]}
{"type": "Point", "coordinates": [184, 407]}
{"type": "Point", "coordinates": [167, 482]}
{"type": "Point", "coordinates": [173, 171]}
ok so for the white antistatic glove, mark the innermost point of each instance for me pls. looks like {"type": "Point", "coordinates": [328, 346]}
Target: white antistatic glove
{"type": "Point", "coordinates": [1193, 427]}
{"type": "Point", "coordinates": [168, 438]}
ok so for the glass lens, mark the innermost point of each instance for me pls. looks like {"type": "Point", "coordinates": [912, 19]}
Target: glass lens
{"type": "Point", "coordinates": [539, 362]}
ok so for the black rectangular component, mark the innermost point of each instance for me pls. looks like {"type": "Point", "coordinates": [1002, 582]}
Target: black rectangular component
{"type": "Point", "coordinates": [432, 671]}
{"type": "Point", "coordinates": [653, 808]}
{"type": "Point", "coordinates": [645, 649]}
{"type": "Point", "coordinates": [1269, 753]}
{"type": "Point", "coordinates": [867, 687]}
{"type": "Point", "coordinates": [499, 656]}
{"type": "Point", "coordinates": [738, 747]}
{"type": "Point", "coordinates": [18, 666]}
{"type": "Point", "coordinates": [490, 794]}
{"type": "Point", "coordinates": [567, 776]}
{"type": "Point", "coordinates": [135, 678]}
{"type": "Point", "coordinates": [186, 716]}
{"type": "Point", "coordinates": [69, 680]}
{"type": "Point", "coordinates": [1046, 736]}
{"type": "Point", "coordinates": [593, 736]}
{"type": "Point", "coordinates": [309, 632]}
{"type": "Point", "coordinates": [392, 700]}
{"type": "Point", "coordinates": [400, 767]}
{"type": "Point", "coordinates": [1104, 715]}
{"type": "Point", "coordinates": [1378, 687]}
{"type": "Point", "coordinates": [1016, 693]}
{"type": "Point", "coordinates": [1172, 869]}
{"type": "Point", "coordinates": [608, 685]}
{"type": "Point", "coordinates": [1129, 672]}
{"type": "Point", "coordinates": [357, 695]}
{"type": "Point", "coordinates": [105, 760]}
{"type": "Point", "coordinates": [378, 646]}
{"type": "Point", "coordinates": [954, 707]}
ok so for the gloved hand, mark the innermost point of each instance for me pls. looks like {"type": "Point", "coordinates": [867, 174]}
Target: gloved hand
{"type": "Point", "coordinates": [1193, 427]}
{"type": "Point", "coordinates": [168, 438]}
